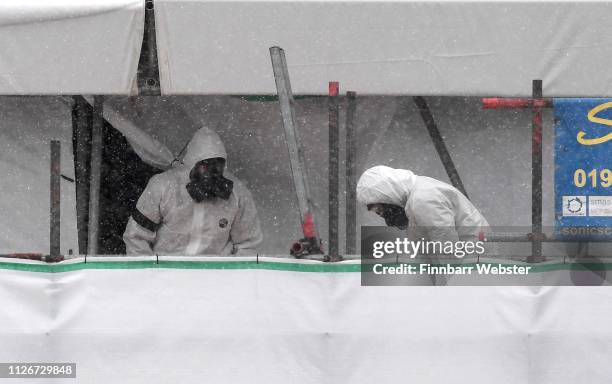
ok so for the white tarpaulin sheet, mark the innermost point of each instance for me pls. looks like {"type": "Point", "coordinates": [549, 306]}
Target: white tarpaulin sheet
{"type": "Point", "coordinates": [28, 126]}
{"type": "Point", "coordinates": [238, 322]}
{"type": "Point", "coordinates": [386, 47]}
{"type": "Point", "coordinates": [70, 46]}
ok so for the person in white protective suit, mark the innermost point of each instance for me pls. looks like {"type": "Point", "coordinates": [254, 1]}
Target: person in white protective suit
{"type": "Point", "coordinates": [195, 208]}
{"type": "Point", "coordinates": [426, 207]}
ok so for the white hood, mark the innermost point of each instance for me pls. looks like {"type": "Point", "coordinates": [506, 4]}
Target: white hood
{"type": "Point", "coordinates": [205, 144]}
{"type": "Point", "coordinates": [385, 185]}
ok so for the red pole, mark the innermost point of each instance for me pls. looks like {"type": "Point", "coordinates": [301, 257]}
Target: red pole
{"type": "Point", "coordinates": [334, 88]}
{"type": "Point", "coordinates": [500, 102]}
{"type": "Point", "coordinates": [334, 149]}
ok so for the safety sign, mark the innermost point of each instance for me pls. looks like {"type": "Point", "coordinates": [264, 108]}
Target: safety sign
{"type": "Point", "coordinates": [583, 168]}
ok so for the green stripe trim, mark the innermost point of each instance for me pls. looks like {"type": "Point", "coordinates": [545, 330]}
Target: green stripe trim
{"type": "Point", "coordinates": [272, 98]}
{"type": "Point", "coordinates": [265, 265]}
{"type": "Point", "coordinates": [280, 266]}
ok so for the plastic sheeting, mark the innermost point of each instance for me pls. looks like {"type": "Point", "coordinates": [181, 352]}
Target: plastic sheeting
{"type": "Point", "coordinates": [70, 46]}
{"type": "Point", "coordinates": [28, 126]}
{"type": "Point", "coordinates": [140, 323]}
{"type": "Point", "coordinates": [142, 138]}
{"type": "Point", "coordinates": [386, 47]}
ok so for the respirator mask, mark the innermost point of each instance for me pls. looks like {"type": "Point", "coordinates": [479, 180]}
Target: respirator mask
{"type": "Point", "coordinates": [394, 215]}
{"type": "Point", "coordinates": [206, 181]}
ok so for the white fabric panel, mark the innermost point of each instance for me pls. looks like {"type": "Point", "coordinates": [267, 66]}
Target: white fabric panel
{"type": "Point", "coordinates": [70, 46]}
{"type": "Point", "coordinates": [28, 126]}
{"type": "Point", "coordinates": [386, 47]}
{"type": "Point", "coordinates": [262, 326]}
{"type": "Point", "coordinates": [150, 150]}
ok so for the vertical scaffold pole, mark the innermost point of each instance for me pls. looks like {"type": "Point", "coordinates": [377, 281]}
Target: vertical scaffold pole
{"type": "Point", "coordinates": [351, 175]}
{"type": "Point", "coordinates": [95, 182]}
{"type": "Point", "coordinates": [55, 193]}
{"type": "Point", "coordinates": [334, 157]}
{"type": "Point", "coordinates": [536, 174]}
{"type": "Point", "coordinates": [81, 133]}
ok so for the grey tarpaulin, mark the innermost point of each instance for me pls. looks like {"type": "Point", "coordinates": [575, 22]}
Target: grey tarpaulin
{"type": "Point", "coordinates": [387, 47]}
{"type": "Point", "coordinates": [70, 46]}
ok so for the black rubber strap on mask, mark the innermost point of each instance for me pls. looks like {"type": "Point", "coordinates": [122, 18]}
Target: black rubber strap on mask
{"type": "Point", "coordinates": [144, 221]}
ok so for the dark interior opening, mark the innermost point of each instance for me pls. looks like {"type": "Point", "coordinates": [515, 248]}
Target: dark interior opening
{"type": "Point", "coordinates": [124, 177]}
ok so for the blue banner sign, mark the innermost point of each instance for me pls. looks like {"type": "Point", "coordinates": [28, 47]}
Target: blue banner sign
{"type": "Point", "coordinates": [583, 168]}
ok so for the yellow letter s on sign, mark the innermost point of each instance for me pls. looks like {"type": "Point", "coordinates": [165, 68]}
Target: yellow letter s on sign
{"type": "Point", "coordinates": [596, 120]}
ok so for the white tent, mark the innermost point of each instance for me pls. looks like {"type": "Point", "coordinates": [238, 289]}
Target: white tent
{"type": "Point", "coordinates": [372, 47]}
{"type": "Point", "coordinates": [156, 320]}
{"type": "Point", "coordinates": [70, 46]}
{"type": "Point", "coordinates": [441, 47]}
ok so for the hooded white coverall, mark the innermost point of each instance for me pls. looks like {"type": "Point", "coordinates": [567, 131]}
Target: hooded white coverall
{"type": "Point", "coordinates": [174, 224]}
{"type": "Point", "coordinates": [436, 211]}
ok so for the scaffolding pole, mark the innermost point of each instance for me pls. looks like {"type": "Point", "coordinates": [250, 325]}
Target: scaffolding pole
{"type": "Point", "coordinates": [351, 175]}
{"type": "Point", "coordinates": [55, 206]}
{"type": "Point", "coordinates": [536, 103]}
{"type": "Point", "coordinates": [334, 160]}
{"type": "Point", "coordinates": [311, 242]}
{"type": "Point", "coordinates": [94, 183]}
{"type": "Point", "coordinates": [536, 174]}
{"type": "Point", "coordinates": [81, 138]}
{"type": "Point", "coordinates": [438, 142]}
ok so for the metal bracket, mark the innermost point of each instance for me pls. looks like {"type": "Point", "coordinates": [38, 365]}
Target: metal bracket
{"type": "Point", "coordinates": [148, 68]}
